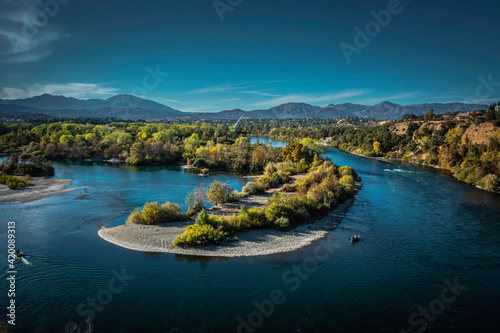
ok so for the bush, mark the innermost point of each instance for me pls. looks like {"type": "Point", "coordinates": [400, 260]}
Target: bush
{"type": "Point", "coordinates": [347, 180]}
{"type": "Point", "coordinates": [205, 219]}
{"type": "Point", "coordinates": [13, 182]}
{"type": "Point", "coordinates": [347, 171]}
{"type": "Point", "coordinates": [282, 223]}
{"type": "Point", "coordinates": [220, 193]}
{"type": "Point", "coordinates": [302, 166]}
{"type": "Point", "coordinates": [287, 188]}
{"type": "Point", "coordinates": [200, 163]}
{"type": "Point", "coordinates": [491, 182]}
{"type": "Point", "coordinates": [153, 213]}
{"type": "Point", "coordinates": [197, 200]}
{"type": "Point", "coordinates": [254, 188]}
{"type": "Point", "coordinates": [200, 235]}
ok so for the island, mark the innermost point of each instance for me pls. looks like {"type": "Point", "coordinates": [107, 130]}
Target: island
{"type": "Point", "coordinates": [268, 217]}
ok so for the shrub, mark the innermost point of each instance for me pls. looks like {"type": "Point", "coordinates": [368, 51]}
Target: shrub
{"type": "Point", "coordinates": [491, 182]}
{"type": "Point", "coordinates": [302, 166]}
{"type": "Point", "coordinates": [153, 213]}
{"type": "Point", "coordinates": [200, 163]}
{"type": "Point", "coordinates": [254, 188]}
{"type": "Point", "coordinates": [205, 219]}
{"type": "Point", "coordinates": [287, 188]}
{"type": "Point", "coordinates": [197, 200]}
{"type": "Point", "coordinates": [347, 171]}
{"type": "Point", "coordinates": [200, 235]}
{"type": "Point", "coordinates": [347, 180]}
{"type": "Point", "coordinates": [13, 182]}
{"type": "Point", "coordinates": [257, 218]}
{"type": "Point", "coordinates": [271, 168]}
{"type": "Point", "coordinates": [267, 181]}
{"type": "Point", "coordinates": [220, 193]}
{"type": "Point", "coordinates": [282, 223]}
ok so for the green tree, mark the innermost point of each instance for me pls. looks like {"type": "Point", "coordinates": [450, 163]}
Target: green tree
{"type": "Point", "coordinates": [430, 114]}
{"type": "Point", "coordinates": [220, 193]}
{"type": "Point", "coordinates": [296, 152]}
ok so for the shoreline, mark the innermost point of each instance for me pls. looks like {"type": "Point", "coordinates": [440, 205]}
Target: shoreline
{"type": "Point", "coordinates": [41, 188]}
{"type": "Point", "coordinates": [255, 242]}
{"type": "Point", "coordinates": [395, 161]}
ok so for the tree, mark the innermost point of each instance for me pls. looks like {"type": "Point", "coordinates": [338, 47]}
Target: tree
{"type": "Point", "coordinates": [491, 114]}
{"type": "Point", "coordinates": [409, 116]}
{"type": "Point", "coordinates": [376, 147]}
{"type": "Point", "coordinates": [220, 193]}
{"type": "Point", "coordinates": [296, 152]}
{"type": "Point", "coordinates": [197, 200]}
{"type": "Point", "coordinates": [430, 114]}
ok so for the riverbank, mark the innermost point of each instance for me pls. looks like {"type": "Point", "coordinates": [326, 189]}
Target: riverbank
{"type": "Point", "coordinates": [397, 160]}
{"type": "Point", "coordinates": [40, 188]}
{"type": "Point", "coordinates": [250, 243]}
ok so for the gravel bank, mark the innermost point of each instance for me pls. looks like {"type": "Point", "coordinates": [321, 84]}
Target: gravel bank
{"type": "Point", "coordinates": [41, 188]}
{"type": "Point", "coordinates": [251, 243]}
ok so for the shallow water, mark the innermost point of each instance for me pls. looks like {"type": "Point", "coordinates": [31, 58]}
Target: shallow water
{"type": "Point", "coordinates": [419, 227]}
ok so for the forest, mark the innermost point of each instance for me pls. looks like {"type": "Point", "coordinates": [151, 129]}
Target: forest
{"type": "Point", "coordinates": [434, 140]}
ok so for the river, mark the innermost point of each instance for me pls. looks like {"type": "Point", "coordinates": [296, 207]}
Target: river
{"type": "Point", "coordinates": [419, 228]}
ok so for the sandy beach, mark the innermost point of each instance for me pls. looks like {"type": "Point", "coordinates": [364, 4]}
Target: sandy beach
{"type": "Point", "coordinates": [250, 243]}
{"type": "Point", "coordinates": [41, 188]}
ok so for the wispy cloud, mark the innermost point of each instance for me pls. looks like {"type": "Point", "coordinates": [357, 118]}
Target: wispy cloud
{"type": "Point", "coordinates": [161, 99]}
{"type": "Point", "coordinates": [216, 89]}
{"type": "Point", "coordinates": [76, 90]}
{"type": "Point", "coordinates": [259, 93]}
{"type": "Point", "coordinates": [275, 81]}
{"type": "Point", "coordinates": [26, 41]}
{"type": "Point", "coordinates": [311, 98]}
{"type": "Point", "coordinates": [227, 100]}
{"type": "Point", "coordinates": [376, 100]}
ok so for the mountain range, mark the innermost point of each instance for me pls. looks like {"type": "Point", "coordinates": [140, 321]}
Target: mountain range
{"type": "Point", "coordinates": [134, 108]}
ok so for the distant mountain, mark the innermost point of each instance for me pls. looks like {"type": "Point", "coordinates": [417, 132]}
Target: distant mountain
{"type": "Point", "coordinates": [120, 113]}
{"type": "Point", "coordinates": [16, 111]}
{"type": "Point", "coordinates": [131, 107]}
{"type": "Point", "coordinates": [50, 102]}
{"type": "Point", "coordinates": [384, 110]}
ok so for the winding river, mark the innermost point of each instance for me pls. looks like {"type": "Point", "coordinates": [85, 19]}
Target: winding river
{"type": "Point", "coordinates": [426, 238]}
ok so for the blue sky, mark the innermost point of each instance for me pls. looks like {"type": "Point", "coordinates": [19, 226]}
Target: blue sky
{"type": "Point", "coordinates": [251, 54]}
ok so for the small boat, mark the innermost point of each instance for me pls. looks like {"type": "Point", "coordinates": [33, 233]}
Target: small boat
{"type": "Point", "coordinates": [18, 255]}
{"type": "Point", "coordinates": [355, 238]}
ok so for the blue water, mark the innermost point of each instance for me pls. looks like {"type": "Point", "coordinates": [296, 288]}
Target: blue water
{"type": "Point", "coordinates": [419, 227]}
{"type": "Point", "coordinates": [274, 143]}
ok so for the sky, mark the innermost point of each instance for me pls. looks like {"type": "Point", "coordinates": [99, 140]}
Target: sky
{"type": "Point", "coordinates": [205, 55]}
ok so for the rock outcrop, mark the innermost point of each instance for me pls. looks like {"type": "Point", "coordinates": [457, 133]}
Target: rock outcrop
{"type": "Point", "coordinates": [480, 134]}
{"type": "Point", "coordinates": [406, 128]}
